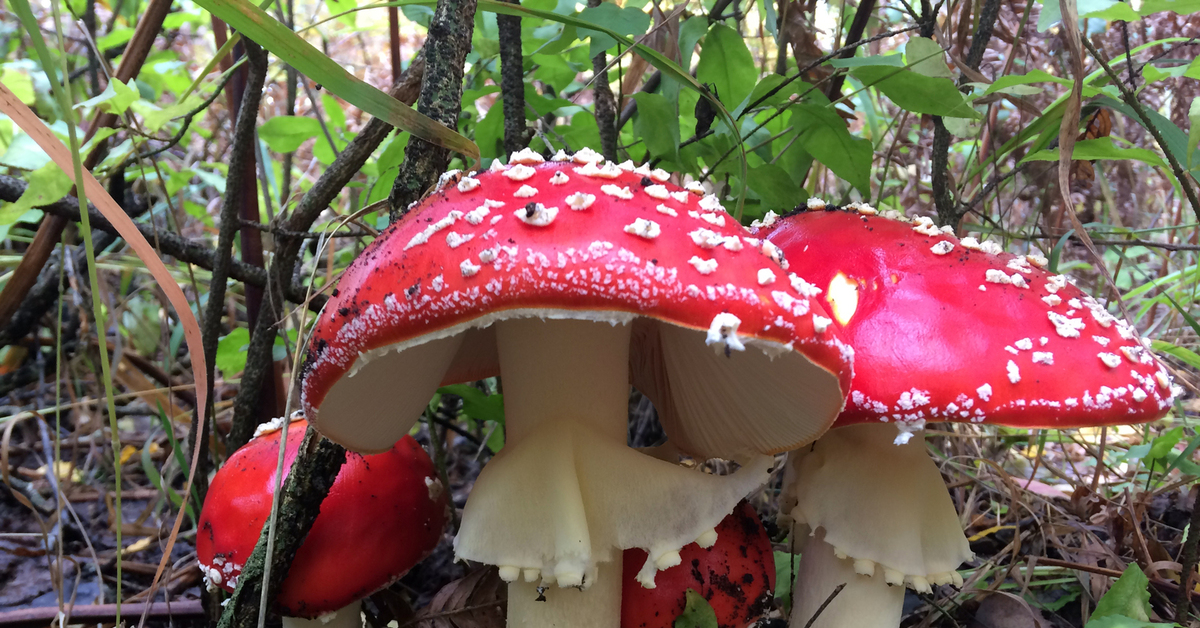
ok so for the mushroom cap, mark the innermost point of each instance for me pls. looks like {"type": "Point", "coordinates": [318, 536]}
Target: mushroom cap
{"type": "Point", "coordinates": [577, 240]}
{"type": "Point", "coordinates": [384, 513]}
{"type": "Point", "coordinates": [736, 575]}
{"type": "Point", "coordinates": [953, 330]}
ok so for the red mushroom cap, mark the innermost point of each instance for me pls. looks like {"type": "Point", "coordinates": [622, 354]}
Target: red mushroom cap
{"type": "Point", "coordinates": [384, 513]}
{"type": "Point", "coordinates": [736, 575]}
{"type": "Point", "coordinates": [583, 241]}
{"type": "Point", "coordinates": [953, 330]}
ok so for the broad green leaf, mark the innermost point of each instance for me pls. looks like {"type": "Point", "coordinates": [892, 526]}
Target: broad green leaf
{"type": "Point", "coordinates": [775, 188]}
{"type": "Point", "coordinates": [46, 185]}
{"type": "Point", "coordinates": [925, 56]}
{"type": "Point", "coordinates": [1128, 597]}
{"type": "Point", "coordinates": [115, 98]}
{"type": "Point", "coordinates": [787, 565]}
{"type": "Point", "coordinates": [19, 83]}
{"type": "Point", "coordinates": [334, 112]}
{"type": "Point", "coordinates": [284, 134]}
{"type": "Point", "coordinates": [1101, 148]}
{"type": "Point", "coordinates": [1182, 7]}
{"type": "Point", "coordinates": [231, 352]}
{"type": "Point", "coordinates": [893, 60]}
{"type": "Point", "coordinates": [1164, 443]}
{"type": "Point", "coordinates": [726, 63]}
{"type": "Point", "coordinates": [696, 613]}
{"type": "Point", "coordinates": [625, 21]}
{"type": "Point", "coordinates": [1193, 69]}
{"type": "Point", "coordinates": [254, 23]}
{"type": "Point", "coordinates": [1119, 11]}
{"type": "Point", "coordinates": [657, 125]}
{"type": "Point", "coordinates": [1033, 76]}
{"type": "Point", "coordinates": [154, 118]}
{"type": "Point", "coordinates": [915, 92]}
{"type": "Point", "coordinates": [689, 35]}
{"type": "Point", "coordinates": [823, 135]}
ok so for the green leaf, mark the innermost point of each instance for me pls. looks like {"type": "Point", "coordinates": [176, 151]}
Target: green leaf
{"type": "Point", "coordinates": [46, 185]}
{"type": "Point", "coordinates": [268, 32]}
{"type": "Point", "coordinates": [915, 92]}
{"type": "Point", "coordinates": [1003, 83]}
{"type": "Point", "coordinates": [1128, 597]}
{"type": "Point", "coordinates": [696, 613]}
{"type": "Point", "coordinates": [1052, 13]}
{"type": "Point", "coordinates": [1101, 148]}
{"type": "Point", "coordinates": [1119, 11]}
{"type": "Point", "coordinates": [1193, 69]}
{"type": "Point", "coordinates": [774, 187]}
{"type": "Point", "coordinates": [893, 60]}
{"type": "Point", "coordinates": [1182, 353]}
{"type": "Point", "coordinates": [477, 404]}
{"type": "Point", "coordinates": [19, 83]}
{"type": "Point", "coordinates": [1165, 443]}
{"type": "Point", "coordinates": [231, 352]}
{"type": "Point", "coordinates": [787, 565]}
{"type": "Point", "coordinates": [115, 98]}
{"type": "Point", "coordinates": [925, 57]}
{"type": "Point", "coordinates": [824, 135]}
{"type": "Point", "coordinates": [625, 21]}
{"type": "Point", "coordinates": [1193, 133]}
{"type": "Point", "coordinates": [1118, 621]}
{"type": "Point", "coordinates": [657, 125]}
{"type": "Point", "coordinates": [726, 63]}
{"type": "Point", "coordinates": [284, 134]}
{"type": "Point", "coordinates": [1182, 7]}
{"type": "Point", "coordinates": [689, 35]}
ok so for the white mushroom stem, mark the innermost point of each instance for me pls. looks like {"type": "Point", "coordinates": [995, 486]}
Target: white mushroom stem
{"type": "Point", "coordinates": [554, 606]}
{"type": "Point", "coordinates": [864, 601]}
{"type": "Point", "coordinates": [566, 494]}
{"type": "Point", "coordinates": [346, 617]}
{"type": "Point", "coordinates": [882, 510]}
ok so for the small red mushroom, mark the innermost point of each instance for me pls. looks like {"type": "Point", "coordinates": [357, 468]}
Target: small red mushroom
{"type": "Point", "coordinates": [944, 329]}
{"type": "Point", "coordinates": [384, 513]}
{"type": "Point", "coordinates": [736, 575]}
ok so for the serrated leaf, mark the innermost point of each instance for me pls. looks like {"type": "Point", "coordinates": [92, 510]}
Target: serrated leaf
{"type": "Point", "coordinates": [915, 92]}
{"type": "Point", "coordinates": [1128, 597]}
{"type": "Point", "coordinates": [284, 134]}
{"type": "Point", "coordinates": [726, 63]}
{"type": "Point", "coordinates": [658, 125]}
{"type": "Point", "coordinates": [696, 613]}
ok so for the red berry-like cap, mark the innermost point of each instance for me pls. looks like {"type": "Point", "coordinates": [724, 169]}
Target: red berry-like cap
{"type": "Point", "coordinates": [736, 575]}
{"type": "Point", "coordinates": [384, 513]}
{"type": "Point", "coordinates": [949, 329]}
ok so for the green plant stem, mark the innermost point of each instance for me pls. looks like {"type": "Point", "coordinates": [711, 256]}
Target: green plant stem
{"type": "Point", "coordinates": [65, 102]}
{"type": "Point", "coordinates": [1130, 99]}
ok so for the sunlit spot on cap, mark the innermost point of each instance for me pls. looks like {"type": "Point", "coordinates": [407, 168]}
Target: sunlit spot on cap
{"type": "Point", "coordinates": [842, 296]}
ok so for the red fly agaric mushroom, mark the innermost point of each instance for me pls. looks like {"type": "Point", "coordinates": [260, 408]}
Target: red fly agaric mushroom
{"type": "Point", "coordinates": [944, 329]}
{"type": "Point", "coordinates": [384, 513]}
{"type": "Point", "coordinates": [736, 575]}
{"type": "Point", "coordinates": [551, 269]}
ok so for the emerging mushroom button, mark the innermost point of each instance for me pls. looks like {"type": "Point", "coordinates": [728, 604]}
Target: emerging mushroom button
{"type": "Point", "coordinates": [553, 268]}
{"type": "Point", "coordinates": [944, 329]}
{"type": "Point", "coordinates": [384, 513]}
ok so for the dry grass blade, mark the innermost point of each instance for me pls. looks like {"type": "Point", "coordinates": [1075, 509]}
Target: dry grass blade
{"type": "Point", "coordinates": [478, 600]}
{"type": "Point", "coordinates": [28, 122]}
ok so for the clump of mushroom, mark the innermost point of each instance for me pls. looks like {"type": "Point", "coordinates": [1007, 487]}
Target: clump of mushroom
{"type": "Point", "coordinates": [384, 513]}
{"type": "Point", "coordinates": [551, 270]}
{"type": "Point", "coordinates": [944, 329]}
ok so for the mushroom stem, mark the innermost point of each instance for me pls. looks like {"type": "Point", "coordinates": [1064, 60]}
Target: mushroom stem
{"type": "Point", "coordinates": [349, 616]}
{"type": "Point", "coordinates": [865, 601]}
{"type": "Point", "coordinates": [598, 606]}
{"type": "Point", "coordinates": [567, 494]}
